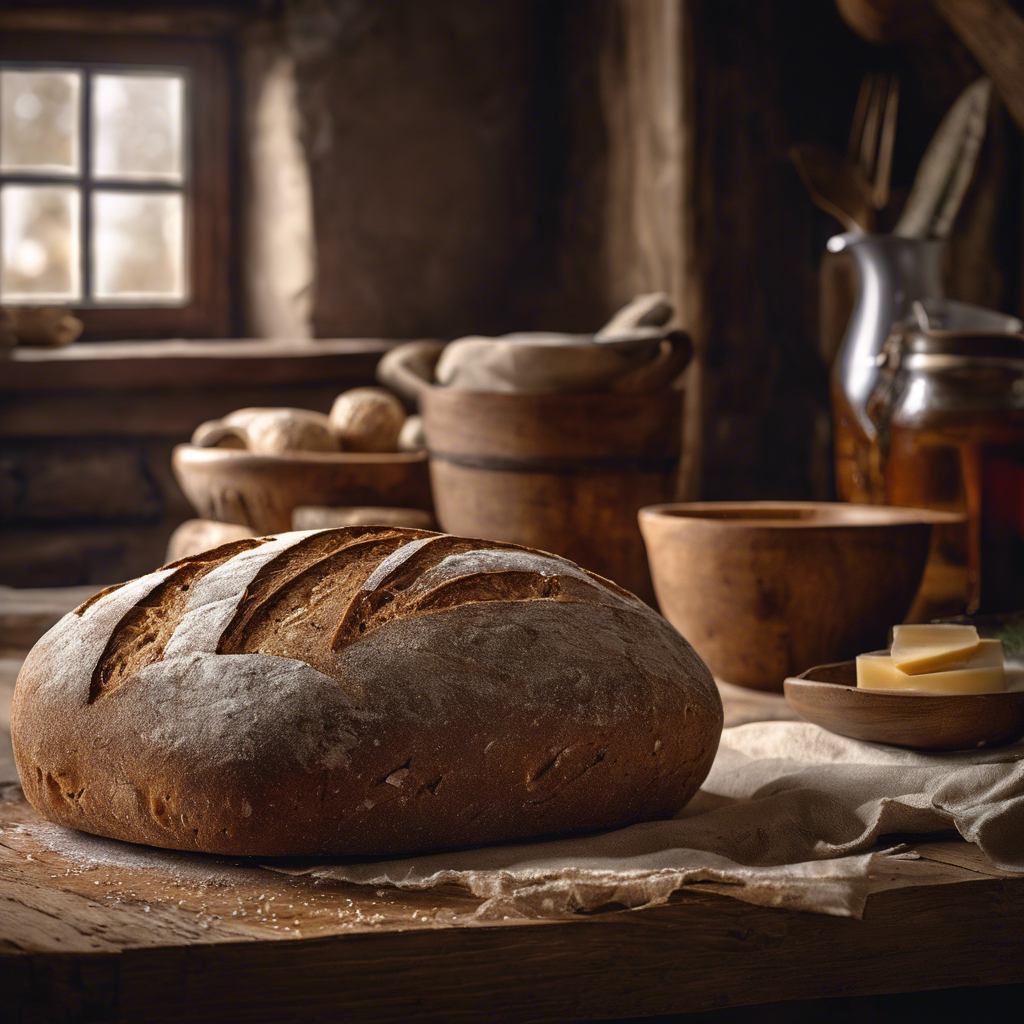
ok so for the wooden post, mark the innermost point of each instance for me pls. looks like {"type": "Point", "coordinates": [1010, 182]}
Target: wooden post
{"type": "Point", "coordinates": [648, 93]}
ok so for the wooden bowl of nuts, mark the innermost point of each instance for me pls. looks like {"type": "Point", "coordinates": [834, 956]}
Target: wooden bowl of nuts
{"type": "Point", "coordinates": [255, 466]}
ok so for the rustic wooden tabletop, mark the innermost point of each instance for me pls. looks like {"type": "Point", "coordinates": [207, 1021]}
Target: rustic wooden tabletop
{"type": "Point", "coordinates": [128, 936]}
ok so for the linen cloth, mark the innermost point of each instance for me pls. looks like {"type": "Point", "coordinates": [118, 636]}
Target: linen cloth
{"type": "Point", "coordinates": [544, 364]}
{"type": "Point", "coordinates": [790, 814]}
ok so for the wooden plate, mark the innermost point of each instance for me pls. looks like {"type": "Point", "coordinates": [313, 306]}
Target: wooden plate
{"type": "Point", "coordinates": [827, 695]}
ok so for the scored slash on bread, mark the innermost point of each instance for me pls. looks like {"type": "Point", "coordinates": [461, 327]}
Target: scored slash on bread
{"type": "Point", "coordinates": [362, 690]}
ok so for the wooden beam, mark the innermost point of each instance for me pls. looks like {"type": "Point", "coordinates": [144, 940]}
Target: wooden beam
{"type": "Point", "coordinates": [203, 21]}
{"type": "Point", "coordinates": [994, 33]}
{"type": "Point", "coordinates": [651, 188]}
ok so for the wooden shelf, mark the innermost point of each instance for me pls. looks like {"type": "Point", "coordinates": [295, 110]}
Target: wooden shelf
{"type": "Point", "coordinates": [139, 365]}
{"type": "Point", "coordinates": [165, 388]}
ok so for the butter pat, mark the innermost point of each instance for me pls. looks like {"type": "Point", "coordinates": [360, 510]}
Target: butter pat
{"type": "Point", "coordinates": [926, 648]}
{"type": "Point", "coordinates": [981, 672]}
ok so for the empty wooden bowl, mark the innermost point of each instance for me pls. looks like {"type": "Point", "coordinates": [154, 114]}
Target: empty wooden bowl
{"type": "Point", "coordinates": [260, 491]}
{"type": "Point", "coordinates": [764, 590]}
{"type": "Point", "coordinates": [828, 696]}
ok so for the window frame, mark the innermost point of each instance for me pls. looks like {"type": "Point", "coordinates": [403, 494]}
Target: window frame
{"type": "Point", "coordinates": [209, 252]}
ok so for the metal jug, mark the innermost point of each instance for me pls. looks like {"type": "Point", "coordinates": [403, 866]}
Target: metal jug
{"type": "Point", "coordinates": [893, 273]}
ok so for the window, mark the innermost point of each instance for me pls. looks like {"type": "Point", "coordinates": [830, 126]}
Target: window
{"type": "Point", "coordinates": [113, 179]}
{"type": "Point", "coordinates": [92, 186]}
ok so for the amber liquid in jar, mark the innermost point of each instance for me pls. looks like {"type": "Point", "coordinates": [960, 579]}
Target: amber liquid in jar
{"type": "Point", "coordinates": [858, 458]}
{"type": "Point", "coordinates": [973, 465]}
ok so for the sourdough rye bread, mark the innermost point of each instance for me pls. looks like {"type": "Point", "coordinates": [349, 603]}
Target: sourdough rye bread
{"type": "Point", "coordinates": [366, 690]}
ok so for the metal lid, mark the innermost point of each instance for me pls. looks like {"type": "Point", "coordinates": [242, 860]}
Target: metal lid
{"type": "Point", "coordinates": [965, 344]}
{"type": "Point", "coordinates": [933, 349]}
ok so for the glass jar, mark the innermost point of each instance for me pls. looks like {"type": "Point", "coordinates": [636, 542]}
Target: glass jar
{"type": "Point", "coordinates": [950, 411]}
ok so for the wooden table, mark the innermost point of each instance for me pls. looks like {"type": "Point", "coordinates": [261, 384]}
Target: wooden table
{"type": "Point", "coordinates": [212, 940]}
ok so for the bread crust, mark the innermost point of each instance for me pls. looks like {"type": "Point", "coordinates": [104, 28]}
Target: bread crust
{"type": "Point", "coordinates": [361, 691]}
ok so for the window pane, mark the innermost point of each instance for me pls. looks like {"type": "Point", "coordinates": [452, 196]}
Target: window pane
{"type": "Point", "coordinates": [137, 126]}
{"type": "Point", "coordinates": [39, 121]}
{"type": "Point", "coordinates": [138, 246]}
{"type": "Point", "coordinates": [40, 246]}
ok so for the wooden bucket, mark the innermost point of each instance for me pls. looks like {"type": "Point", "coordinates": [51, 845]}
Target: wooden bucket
{"type": "Point", "coordinates": [565, 473]}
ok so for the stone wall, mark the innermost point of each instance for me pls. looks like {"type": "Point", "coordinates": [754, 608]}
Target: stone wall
{"type": "Point", "coordinates": [416, 168]}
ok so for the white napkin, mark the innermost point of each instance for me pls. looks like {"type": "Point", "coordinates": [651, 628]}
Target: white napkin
{"type": "Point", "coordinates": [788, 814]}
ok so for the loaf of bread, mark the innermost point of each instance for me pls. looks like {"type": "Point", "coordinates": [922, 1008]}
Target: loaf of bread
{"type": "Point", "coordinates": [218, 434]}
{"type": "Point", "coordinates": [195, 535]}
{"type": "Point", "coordinates": [366, 690]}
{"type": "Point", "coordinates": [319, 517]}
{"type": "Point", "coordinates": [367, 420]}
{"type": "Point", "coordinates": [280, 431]}
{"type": "Point", "coordinates": [412, 437]}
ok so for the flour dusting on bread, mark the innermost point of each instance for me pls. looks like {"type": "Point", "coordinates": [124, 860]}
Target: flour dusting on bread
{"type": "Point", "coordinates": [364, 690]}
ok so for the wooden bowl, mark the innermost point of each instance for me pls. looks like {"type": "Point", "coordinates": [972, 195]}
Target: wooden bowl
{"type": "Point", "coordinates": [763, 590]}
{"type": "Point", "coordinates": [828, 696]}
{"type": "Point", "coordinates": [260, 491]}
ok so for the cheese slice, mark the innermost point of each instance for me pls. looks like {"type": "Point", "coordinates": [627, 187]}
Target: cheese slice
{"type": "Point", "coordinates": [928, 648]}
{"type": "Point", "coordinates": [982, 672]}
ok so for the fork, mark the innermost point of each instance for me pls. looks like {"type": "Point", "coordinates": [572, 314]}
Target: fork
{"type": "Point", "coordinates": [873, 133]}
